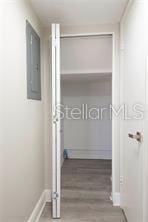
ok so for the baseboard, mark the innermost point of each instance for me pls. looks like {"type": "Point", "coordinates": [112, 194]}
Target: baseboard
{"type": "Point", "coordinates": [89, 154]}
{"type": "Point", "coordinates": [116, 199]}
{"type": "Point", "coordinates": [36, 213]}
{"type": "Point", "coordinates": [48, 195]}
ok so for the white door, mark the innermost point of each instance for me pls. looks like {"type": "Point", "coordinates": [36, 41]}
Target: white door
{"type": "Point", "coordinates": [56, 184]}
{"type": "Point", "coordinates": [134, 92]}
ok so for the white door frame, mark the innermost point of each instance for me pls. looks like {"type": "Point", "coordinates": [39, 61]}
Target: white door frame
{"type": "Point", "coordinates": [56, 148]}
{"type": "Point", "coordinates": [115, 103]}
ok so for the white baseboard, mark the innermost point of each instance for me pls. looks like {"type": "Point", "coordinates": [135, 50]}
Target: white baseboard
{"type": "Point", "coordinates": [116, 199]}
{"type": "Point", "coordinates": [89, 154]}
{"type": "Point", "coordinates": [48, 195]}
{"type": "Point", "coordinates": [36, 213]}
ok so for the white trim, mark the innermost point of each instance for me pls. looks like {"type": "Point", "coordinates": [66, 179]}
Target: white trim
{"type": "Point", "coordinates": [38, 209]}
{"type": "Point", "coordinates": [86, 72]}
{"type": "Point", "coordinates": [127, 8]}
{"type": "Point", "coordinates": [126, 11]}
{"type": "Point", "coordinates": [116, 199]}
{"type": "Point", "coordinates": [56, 158]}
{"type": "Point", "coordinates": [101, 34]}
{"type": "Point", "coordinates": [54, 153]}
{"type": "Point", "coordinates": [115, 125]}
{"type": "Point", "coordinates": [48, 195]}
{"type": "Point", "coordinates": [58, 124]}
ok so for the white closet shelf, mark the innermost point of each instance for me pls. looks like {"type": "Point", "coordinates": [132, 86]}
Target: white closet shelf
{"type": "Point", "coordinates": [85, 72]}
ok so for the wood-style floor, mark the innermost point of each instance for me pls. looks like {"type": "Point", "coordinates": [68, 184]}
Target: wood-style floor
{"type": "Point", "coordinates": [86, 189]}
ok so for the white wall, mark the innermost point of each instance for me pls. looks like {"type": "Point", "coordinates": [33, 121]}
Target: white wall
{"type": "Point", "coordinates": [23, 131]}
{"type": "Point", "coordinates": [47, 108]}
{"type": "Point", "coordinates": [86, 54]}
{"type": "Point", "coordinates": [87, 138]}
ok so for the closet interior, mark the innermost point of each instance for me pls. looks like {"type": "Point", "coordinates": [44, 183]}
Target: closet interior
{"type": "Point", "coordinates": [86, 96]}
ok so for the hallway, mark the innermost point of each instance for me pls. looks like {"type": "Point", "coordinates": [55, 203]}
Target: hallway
{"type": "Point", "coordinates": [74, 86]}
{"type": "Point", "coordinates": [86, 188]}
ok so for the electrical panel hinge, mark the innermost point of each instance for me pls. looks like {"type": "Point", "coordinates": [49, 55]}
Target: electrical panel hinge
{"type": "Point", "coordinates": [55, 42]}
{"type": "Point", "coordinates": [55, 119]}
{"type": "Point", "coordinates": [55, 196]}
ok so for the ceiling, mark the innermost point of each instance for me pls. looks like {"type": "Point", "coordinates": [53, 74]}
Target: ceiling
{"type": "Point", "coordinates": [79, 12]}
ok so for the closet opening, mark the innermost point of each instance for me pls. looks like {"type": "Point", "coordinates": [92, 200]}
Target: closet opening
{"type": "Point", "coordinates": [86, 121]}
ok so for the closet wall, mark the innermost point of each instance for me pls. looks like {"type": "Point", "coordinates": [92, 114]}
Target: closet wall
{"type": "Point", "coordinates": [86, 64]}
{"type": "Point", "coordinates": [86, 55]}
{"type": "Point", "coordinates": [89, 136]}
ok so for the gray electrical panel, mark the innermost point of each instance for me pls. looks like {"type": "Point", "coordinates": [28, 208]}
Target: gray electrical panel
{"type": "Point", "coordinates": [33, 63]}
